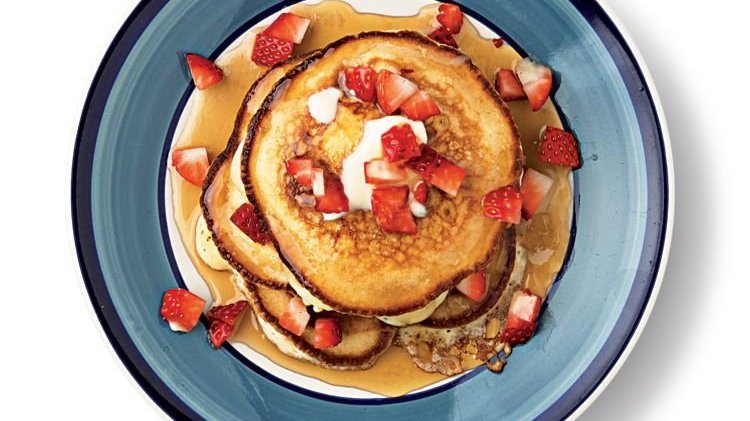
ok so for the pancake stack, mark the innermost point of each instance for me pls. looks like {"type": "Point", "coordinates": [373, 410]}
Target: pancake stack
{"type": "Point", "coordinates": [382, 288]}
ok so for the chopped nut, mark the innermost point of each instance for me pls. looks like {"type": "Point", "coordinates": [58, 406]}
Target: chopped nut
{"type": "Point", "coordinates": [468, 362]}
{"type": "Point", "coordinates": [492, 328]}
{"type": "Point", "coordinates": [504, 347]}
{"type": "Point", "coordinates": [454, 351]}
{"type": "Point", "coordinates": [471, 348]}
{"type": "Point", "coordinates": [496, 366]}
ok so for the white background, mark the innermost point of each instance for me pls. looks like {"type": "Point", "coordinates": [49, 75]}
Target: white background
{"type": "Point", "coordinates": [690, 362]}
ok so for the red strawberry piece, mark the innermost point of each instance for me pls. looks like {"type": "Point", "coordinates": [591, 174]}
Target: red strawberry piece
{"type": "Point", "coordinates": [473, 286]}
{"type": "Point", "coordinates": [534, 189]}
{"type": "Point", "coordinates": [536, 80]}
{"type": "Point", "coordinates": [204, 72]}
{"type": "Point", "coordinates": [437, 170]}
{"type": "Point", "coordinates": [508, 85]}
{"type": "Point", "coordinates": [442, 36]}
{"type": "Point", "coordinates": [223, 320]}
{"type": "Point", "coordinates": [559, 147]}
{"type": "Point", "coordinates": [219, 332]}
{"type": "Point", "coordinates": [522, 315]}
{"type": "Point", "coordinates": [380, 171]}
{"type": "Point", "coordinates": [181, 309]}
{"type": "Point", "coordinates": [390, 206]}
{"type": "Point", "coordinates": [248, 222]}
{"type": "Point", "coordinates": [228, 314]}
{"type": "Point", "coordinates": [334, 199]}
{"type": "Point", "coordinates": [503, 204]}
{"type": "Point", "coordinates": [393, 90]}
{"type": "Point", "coordinates": [295, 317]}
{"type": "Point", "coordinates": [450, 17]}
{"type": "Point", "coordinates": [288, 27]}
{"type": "Point", "coordinates": [400, 143]}
{"type": "Point", "coordinates": [361, 80]}
{"type": "Point", "coordinates": [327, 333]}
{"type": "Point", "coordinates": [268, 50]}
{"type": "Point", "coordinates": [421, 192]}
{"type": "Point", "coordinates": [191, 164]}
{"type": "Point", "coordinates": [301, 170]}
{"type": "Point", "coordinates": [498, 42]}
{"type": "Point", "coordinates": [420, 106]}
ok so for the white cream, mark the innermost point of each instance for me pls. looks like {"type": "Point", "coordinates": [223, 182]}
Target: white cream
{"type": "Point", "coordinates": [370, 147]}
{"type": "Point", "coordinates": [417, 209]}
{"type": "Point", "coordinates": [334, 216]}
{"type": "Point", "coordinates": [324, 104]}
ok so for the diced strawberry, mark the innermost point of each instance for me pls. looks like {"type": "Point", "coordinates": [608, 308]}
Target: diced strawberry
{"type": "Point", "coordinates": [442, 36]}
{"type": "Point", "coordinates": [334, 199]}
{"type": "Point", "coordinates": [473, 286]}
{"type": "Point", "coordinates": [400, 143]}
{"type": "Point", "coordinates": [498, 42]}
{"type": "Point", "coordinates": [559, 147]}
{"type": "Point", "coordinates": [380, 171]}
{"type": "Point", "coordinates": [268, 50]}
{"type": "Point", "coordinates": [219, 332]}
{"type": "Point", "coordinates": [508, 85]}
{"type": "Point", "coordinates": [450, 17]}
{"type": "Point", "coordinates": [223, 320]}
{"type": "Point", "coordinates": [534, 189]}
{"type": "Point", "coordinates": [437, 170]}
{"type": "Point", "coordinates": [327, 333]}
{"type": "Point", "coordinates": [361, 80]}
{"type": "Point", "coordinates": [301, 170]}
{"type": "Point", "coordinates": [391, 209]}
{"type": "Point", "coordinates": [181, 309]}
{"type": "Point", "coordinates": [295, 317]}
{"type": "Point", "coordinates": [522, 315]}
{"type": "Point", "coordinates": [318, 182]}
{"type": "Point", "coordinates": [228, 313]}
{"type": "Point", "coordinates": [420, 106]}
{"type": "Point", "coordinates": [288, 27]}
{"type": "Point", "coordinates": [421, 192]}
{"type": "Point", "coordinates": [392, 90]}
{"type": "Point", "coordinates": [204, 72]}
{"type": "Point", "coordinates": [191, 164]}
{"type": "Point", "coordinates": [503, 204]}
{"type": "Point", "coordinates": [536, 80]}
{"type": "Point", "coordinates": [248, 222]}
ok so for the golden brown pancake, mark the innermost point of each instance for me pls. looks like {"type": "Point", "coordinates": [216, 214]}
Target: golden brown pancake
{"type": "Point", "coordinates": [349, 264]}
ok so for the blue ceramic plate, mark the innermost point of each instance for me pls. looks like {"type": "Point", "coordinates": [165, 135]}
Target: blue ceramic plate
{"type": "Point", "coordinates": [595, 311]}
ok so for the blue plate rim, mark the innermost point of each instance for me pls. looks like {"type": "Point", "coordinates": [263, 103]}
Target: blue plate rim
{"type": "Point", "coordinates": [604, 367]}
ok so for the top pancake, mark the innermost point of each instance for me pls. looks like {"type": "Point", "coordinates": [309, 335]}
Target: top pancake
{"type": "Point", "coordinates": [349, 264]}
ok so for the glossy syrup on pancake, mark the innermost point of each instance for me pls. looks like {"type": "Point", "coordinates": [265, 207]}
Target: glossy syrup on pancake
{"type": "Point", "coordinates": [394, 374]}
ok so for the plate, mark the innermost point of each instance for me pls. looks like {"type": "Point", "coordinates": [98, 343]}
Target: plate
{"type": "Point", "coordinates": [623, 214]}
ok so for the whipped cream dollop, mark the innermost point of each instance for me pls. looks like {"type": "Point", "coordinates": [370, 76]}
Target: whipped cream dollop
{"type": "Point", "coordinates": [324, 104]}
{"type": "Point", "coordinates": [370, 147]}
